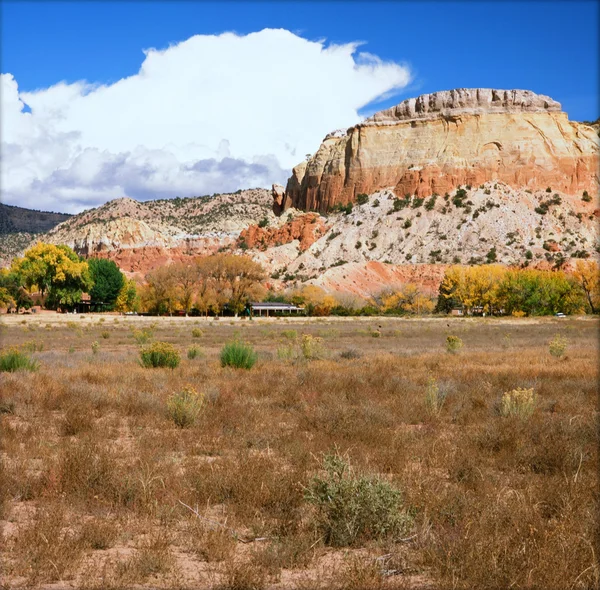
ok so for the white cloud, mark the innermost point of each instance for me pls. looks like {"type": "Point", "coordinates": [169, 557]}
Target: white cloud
{"type": "Point", "coordinates": [211, 114]}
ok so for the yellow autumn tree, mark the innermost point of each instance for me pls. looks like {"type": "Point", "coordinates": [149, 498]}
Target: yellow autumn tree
{"type": "Point", "coordinates": [56, 271]}
{"type": "Point", "coordinates": [408, 298]}
{"type": "Point", "coordinates": [587, 277]}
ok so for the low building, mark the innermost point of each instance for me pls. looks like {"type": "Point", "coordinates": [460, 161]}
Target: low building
{"type": "Point", "coordinates": [273, 308]}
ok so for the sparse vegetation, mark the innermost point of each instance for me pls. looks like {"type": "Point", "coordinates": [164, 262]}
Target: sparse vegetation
{"type": "Point", "coordinates": [139, 483]}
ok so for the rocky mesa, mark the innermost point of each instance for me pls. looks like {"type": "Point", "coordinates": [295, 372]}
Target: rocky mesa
{"type": "Point", "coordinates": [437, 142]}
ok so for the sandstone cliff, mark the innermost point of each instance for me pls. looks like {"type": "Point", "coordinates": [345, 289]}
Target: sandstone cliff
{"type": "Point", "coordinates": [437, 142]}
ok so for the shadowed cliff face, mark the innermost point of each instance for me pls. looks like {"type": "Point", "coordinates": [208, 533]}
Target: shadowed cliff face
{"type": "Point", "coordinates": [436, 142]}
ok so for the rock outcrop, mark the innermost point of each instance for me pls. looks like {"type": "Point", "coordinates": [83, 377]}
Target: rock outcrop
{"type": "Point", "coordinates": [436, 142]}
{"type": "Point", "coordinates": [307, 229]}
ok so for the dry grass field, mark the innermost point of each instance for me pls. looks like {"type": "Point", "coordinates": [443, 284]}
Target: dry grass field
{"type": "Point", "coordinates": [440, 484]}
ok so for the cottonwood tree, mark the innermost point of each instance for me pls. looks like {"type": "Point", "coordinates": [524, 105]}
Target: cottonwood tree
{"type": "Point", "coordinates": [587, 276]}
{"type": "Point", "coordinates": [56, 271]}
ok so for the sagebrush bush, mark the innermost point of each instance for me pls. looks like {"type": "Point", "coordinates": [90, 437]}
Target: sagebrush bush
{"type": "Point", "coordinates": [95, 347]}
{"type": "Point", "coordinates": [193, 352]}
{"type": "Point", "coordinates": [352, 509]}
{"type": "Point", "coordinates": [160, 354]}
{"type": "Point", "coordinates": [312, 347]}
{"type": "Point", "coordinates": [183, 407]}
{"type": "Point", "coordinates": [518, 402]}
{"type": "Point", "coordinates": [453, 344]}
{"type": "Point", "coordinates": [14, 359]}
{"type": "Point", "coordinates": [142, 336]}
{"type": "Point", "coordinates": [105, 334]}
{"type": "Point", "coordinates": [197, 333]}
{"type": "Point", "coordinates": [558, 345]}
{"type": "Point", "coordinates": [239, 355]}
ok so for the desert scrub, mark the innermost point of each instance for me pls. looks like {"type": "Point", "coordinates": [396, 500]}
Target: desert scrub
{"type": "Point", "coordinates": [95, 347]}
{"type": "Point", "coordinates": [290, 334]}
{"type": "Point", "coordinates": [183, 407]}
{"type": "Point", "coordinates": [160, 354]}
{"type": "Point", "coordinates": [239, 355]}
{"type": "Point", "coordinates": [196, 333]}
{"type": "Point", "coordinates": [518, 402]}
{"type": "Point", "coordinates": [312, 347]}
{"type": "Point", "coordinates": [105, 334]}
{"type": "Point", "coordinates": [14, 359]}
{"type": "Point", "coordinates": [194, 352]}
{"type": "Point", "coordinates": [142, 336]}
{"type": "Point", "coordinates": [351, 509]}
{"type": "Point", "coordinates": [558, 345]}
{"type": "Point", "coordinates": [453, 344]}
{"type": "Point", "coordinates": [434, 397]}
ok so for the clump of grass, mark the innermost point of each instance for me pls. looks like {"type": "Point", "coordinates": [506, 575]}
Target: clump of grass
{"type": "Point", "coordinates": [558, 346]}
{"type": "Point", "coordinates": [312, 347]}
{"type": "Point", "coordinates": [194, 352]}
{"type": "Point", "coordinates": [518, 402]}
{"type": "Point", "coordinates": [290, 334]}
{"type": "Point", "coordinates": [14, 359]}
{"type": "Point", "coordinates": [239, 355]}
{"type": "Point", "coordinates": [95, 347]}
{"type": "Point", "coordinates": [105, 334]}
{"type": "Point", "coordinates": [197, 333]}
{"type": "Point", "coordinates": [453, 344]}
{"type": "Point", "coordinates": [434, 397]}
{"type": "Point", "coordinates": [160, 354]}
{"type": "Point", "coordinates": [183, 407]}
{"type": "Point", "coordinates": [352, 509]}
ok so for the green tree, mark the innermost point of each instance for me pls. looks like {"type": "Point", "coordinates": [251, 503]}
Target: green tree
{"type": "Point", "coordinates": [108, 281]}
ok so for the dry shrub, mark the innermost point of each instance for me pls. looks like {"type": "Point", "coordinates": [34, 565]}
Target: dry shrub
{"type": "Point", "coordinates": [183, 407]}
{"type": "Point", "coordinates": [358, 573]}
{"type": "Point", "coordinates": [99, 534]}
{"type": "Point", "coordinates": [46, 550]}
{"type": "Point", "coordinates": [209, 543]}
{"type": "Point", "coordinates": [520, 403]}
{"type": "Point", "coordinates": [77, 419]}
{"type": "Point", "coordinates": [352, 509]}
{"type": "Point", "coordinates": [239, 574]}
{"type": "Point", "coordinates": [255, 488]}
{"type": "Point", "coordinates": [152, 557]}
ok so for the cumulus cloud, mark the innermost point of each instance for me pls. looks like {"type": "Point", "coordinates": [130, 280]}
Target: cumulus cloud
{"type": "Point", "coordinates": [214, 113]}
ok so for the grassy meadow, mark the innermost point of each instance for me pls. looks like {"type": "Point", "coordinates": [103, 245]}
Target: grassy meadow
{"type": "Point", "coordinates": [354, 453]}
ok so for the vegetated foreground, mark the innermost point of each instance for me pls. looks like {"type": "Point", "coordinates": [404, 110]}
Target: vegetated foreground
{"type": "Point", "coordinates": [355, 453]}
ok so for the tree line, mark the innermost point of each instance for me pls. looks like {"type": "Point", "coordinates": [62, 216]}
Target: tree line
{"type": "Point", "coordinates": [210, 284]}
{"type": "Point", "coordinates": [496, 289]}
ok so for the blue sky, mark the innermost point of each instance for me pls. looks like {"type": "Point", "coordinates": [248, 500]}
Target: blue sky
{"type": "Point", "coordinates": [148, 100]}
{"type": "Point", "coordinates": [548, 47]}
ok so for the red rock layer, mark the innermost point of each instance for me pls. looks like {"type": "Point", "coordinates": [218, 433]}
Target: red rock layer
{"type": "Point", "coordinates": [307, 229]}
